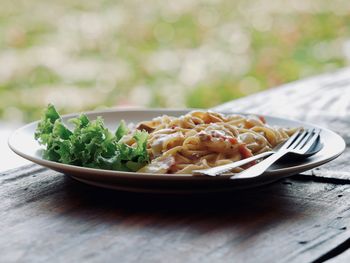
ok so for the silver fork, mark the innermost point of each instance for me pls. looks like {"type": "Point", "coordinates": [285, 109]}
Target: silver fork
{"type": "Point", "coordinates": [298, 144]}
{"type": "Point", "coordinates": [215, 171]}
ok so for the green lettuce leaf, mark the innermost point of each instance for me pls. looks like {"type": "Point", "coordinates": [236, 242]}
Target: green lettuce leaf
{"type": "Point", "coordinates": [121, 130]}
{"type": "Point", "coordinates": [90, 143]}
{"type": "Point", "coordinates": [46, 124]}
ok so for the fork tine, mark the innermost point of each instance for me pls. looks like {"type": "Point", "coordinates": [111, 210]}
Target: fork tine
{"type": "Point", "coordinates": [296, 142]}
{"type": "Point", "coordinates": [291, 139]}
{"type": "Point", "coordinates": [304, 140]}
{"type": "Point", "coordinates": [308, 144]}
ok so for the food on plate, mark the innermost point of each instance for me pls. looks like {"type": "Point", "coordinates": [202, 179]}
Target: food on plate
{"type": "Point", "coordinates": [204, 139]}
{"type": "Point", "coordinates": [163, 145]}
{"type": "Point", "coordinates": [90, 143]}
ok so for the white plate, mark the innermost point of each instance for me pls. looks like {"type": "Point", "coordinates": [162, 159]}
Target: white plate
{"type": "Point", "coordinates": [23, 143]}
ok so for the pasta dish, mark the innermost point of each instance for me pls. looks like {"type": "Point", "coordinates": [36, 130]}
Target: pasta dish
{"type": "Point", "coordinates": [204, 139]}
{"type": "Point", "coordinates": [164, 145]}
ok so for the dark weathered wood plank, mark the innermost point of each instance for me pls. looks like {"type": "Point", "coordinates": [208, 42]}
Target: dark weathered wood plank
{"type": "Point", "coordinates": [309, 99]}
{"type": "Point", "coordinates": [48, 217]}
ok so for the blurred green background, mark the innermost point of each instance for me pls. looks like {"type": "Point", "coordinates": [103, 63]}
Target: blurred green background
{"type": "Point", "coordinates": [88, 54]}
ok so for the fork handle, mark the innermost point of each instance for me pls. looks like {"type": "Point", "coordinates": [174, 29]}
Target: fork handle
{"type": "Point", "coordinates": [215, 171]}
{"type": "Point", "coordinates": [260, 167]}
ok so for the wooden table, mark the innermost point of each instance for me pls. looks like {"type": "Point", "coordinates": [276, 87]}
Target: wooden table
{"type": "Point", "coordinates": [48, 217]}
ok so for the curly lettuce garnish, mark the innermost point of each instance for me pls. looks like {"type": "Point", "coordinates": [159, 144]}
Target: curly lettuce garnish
{"type": "Point", "coordinates": [90, 143]}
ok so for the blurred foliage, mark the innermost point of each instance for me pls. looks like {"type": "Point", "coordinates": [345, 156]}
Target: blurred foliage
{"type": "Point", "coordinates": [87, 54]}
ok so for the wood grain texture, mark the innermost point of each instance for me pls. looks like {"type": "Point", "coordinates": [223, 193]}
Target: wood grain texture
{"type": "Point", "coordinates": [48, 217]}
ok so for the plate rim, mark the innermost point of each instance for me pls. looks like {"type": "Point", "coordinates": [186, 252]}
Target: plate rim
{"type": "Point", "coordinates": [150, 176]}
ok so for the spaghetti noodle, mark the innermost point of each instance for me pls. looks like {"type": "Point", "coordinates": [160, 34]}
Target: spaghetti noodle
{"type": "Point", "coordinates": [204, 139]}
